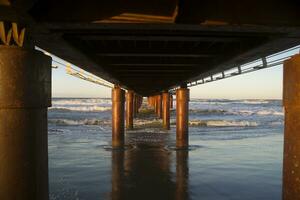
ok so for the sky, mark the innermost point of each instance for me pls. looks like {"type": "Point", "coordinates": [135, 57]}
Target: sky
{"type": "Point", "coordinates": [262, 84]}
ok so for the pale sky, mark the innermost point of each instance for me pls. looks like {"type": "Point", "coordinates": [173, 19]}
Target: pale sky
{"type": "Point", "coordinates": [262, 84]}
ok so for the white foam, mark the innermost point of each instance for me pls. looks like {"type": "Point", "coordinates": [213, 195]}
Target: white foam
{"type": "Point", "coordinates": [254, 102]}
{"type": "Point", "coordinates": [81, 108]}
{"type": "Point", "coordinates": [79, 122]}
{"type": "Point", "coordinates": [269, 112]}
{"type": "Point", "coordinates": [222, 123]}
{"type": "Point", "coordinates": [79, 102]}
{"type": "Point", "coordinates": [259, 112]}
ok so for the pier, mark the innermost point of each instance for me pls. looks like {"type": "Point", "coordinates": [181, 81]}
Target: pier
{"type": "Point", "coordinates": [139, 52]}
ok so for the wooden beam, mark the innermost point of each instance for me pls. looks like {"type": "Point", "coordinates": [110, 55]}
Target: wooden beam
{"type": "Point", "coordinates": [188, 38]}
{"type": "Point", "coordinates": [153, 55]}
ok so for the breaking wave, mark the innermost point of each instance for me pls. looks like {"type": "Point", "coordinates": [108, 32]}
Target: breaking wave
{"type": "Point", "coordinates": [71, 122]}
{"type": "Point", "coordinates": [259, 112]}
{"type": "Point", "coordinates": [238, 112]}
{"type": "Point", "coordinates": [222, 123]}
{"type": "Point", "coordinates": [80, 102]}
{"type": "Point", "coordinates": [80, 108]}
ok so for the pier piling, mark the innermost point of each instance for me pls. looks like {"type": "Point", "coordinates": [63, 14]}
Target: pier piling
{"type": "Point", "coordinates": [166, 110]}
{"type": "Point", "coordinates": [159, 106]}
{"type": "Point", "coordinates": [291, 103]}
{"type": "Point", "coordinates": [25, 77]}
{"type": "Point", "coordinates": [182, 117]}
{"type": "Point", "coordinates": [129, 109]}
{"type": "Point", "coordinates": [118, 96]}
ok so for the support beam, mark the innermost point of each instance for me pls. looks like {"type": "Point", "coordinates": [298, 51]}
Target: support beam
{"type": "Point", "coordinates": [182, 117]}
{"type": "Point", "coordinates": [129, 109]}
{"type": "Point", "coordinates": [25, 77]}
{"type": "Point", "coordinates": [159, 106]}
{"type": "Point", "coordinates": [155, 104]}
{"type": "Point", "coordinates": [118, 96]}
{"type": "Point", "coordinates": [291, 102]}
{"type": "Point", "coordinates": [166, 110]}
{"type": "Point", "coordinates": [152, 101]}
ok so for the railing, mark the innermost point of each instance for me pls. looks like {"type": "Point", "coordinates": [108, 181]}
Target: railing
{"type": "Point", "coordinates": [263, 63]}
{"type": "Point", "coordinates": [75, 71]}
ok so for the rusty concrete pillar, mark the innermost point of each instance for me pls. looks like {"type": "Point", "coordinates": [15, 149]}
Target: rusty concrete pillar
{"type": "Point", "coordinates": [291, 103]}
{"type": "Point", "coordinates": [129, 109]}
{"type": "Point", "coordinates": [159, 106]}
{"type": "Point", "coordinates": [155, 104]}
{"type": "Point", "coordinates": [153, 101]}
{"type": "Point", "coordinates": [166, 110]}
{"type": "Point", "coordinates": [118, 96]}
{"type": "Point", "coordinates": [25, 85]}
{"type": "Point", "coordinates": [150, 101]}
{"type": "Point", "coordinates": [182, 117]}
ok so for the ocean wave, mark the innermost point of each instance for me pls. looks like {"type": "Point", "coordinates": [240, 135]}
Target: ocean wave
{"type": "Point", "coordinates": [256, 101]}
{"type": "Point", "coordinates": [235, 112]}
{"type": "Point", "coordinates": [81, 102]}
{"type": "Point", "coordinates": [80, 108]}
{"type": "Point", "coordinates": [207, 111]}
{"type": "Point", "coordinates": [232, 101]}
{"type": "Point", "coordinates": [269, 112]}
{"type": "Point", "coordinates": [71, 122]}
{"type": "Point", "coordinates": [222, 123]}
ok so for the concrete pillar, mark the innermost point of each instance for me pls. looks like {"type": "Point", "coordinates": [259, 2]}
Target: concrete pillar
{"type": "Point", "coordinates": [118, 96]}
{"type": "Point", "coordinates": [155, 104]}
{"type": "Point", "coordinates": [166, 110]}
{"type": "Point", "coordinates": [152, 103]}
{"type": "Point", "coordinates": [25, 85]}
{"type": "Point", "coordinates": [182, 117]}
{"type": "Point", "coordinates": [291, 102]}
{"type": "Point", "coordinates": [159, 106]}
{"type": "Point", "coordinates": [129, 109]}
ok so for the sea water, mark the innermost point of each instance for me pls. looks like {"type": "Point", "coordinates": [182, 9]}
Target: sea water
{"type": "Point", "coordinates": [235, 152]}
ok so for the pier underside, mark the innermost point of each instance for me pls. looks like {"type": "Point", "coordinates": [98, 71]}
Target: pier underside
{"type": "Point", "coordinates": [132, 43]}
{"type": "Point", "coordinates": [144, 47]}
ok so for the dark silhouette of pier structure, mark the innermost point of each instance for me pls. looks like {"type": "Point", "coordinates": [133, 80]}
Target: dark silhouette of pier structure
{"type": "Point", "coordinates": [146, 49]}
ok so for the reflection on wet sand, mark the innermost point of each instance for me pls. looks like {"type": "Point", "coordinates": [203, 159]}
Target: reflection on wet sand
{"type": "Point", "coordinates": [145, 172]}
